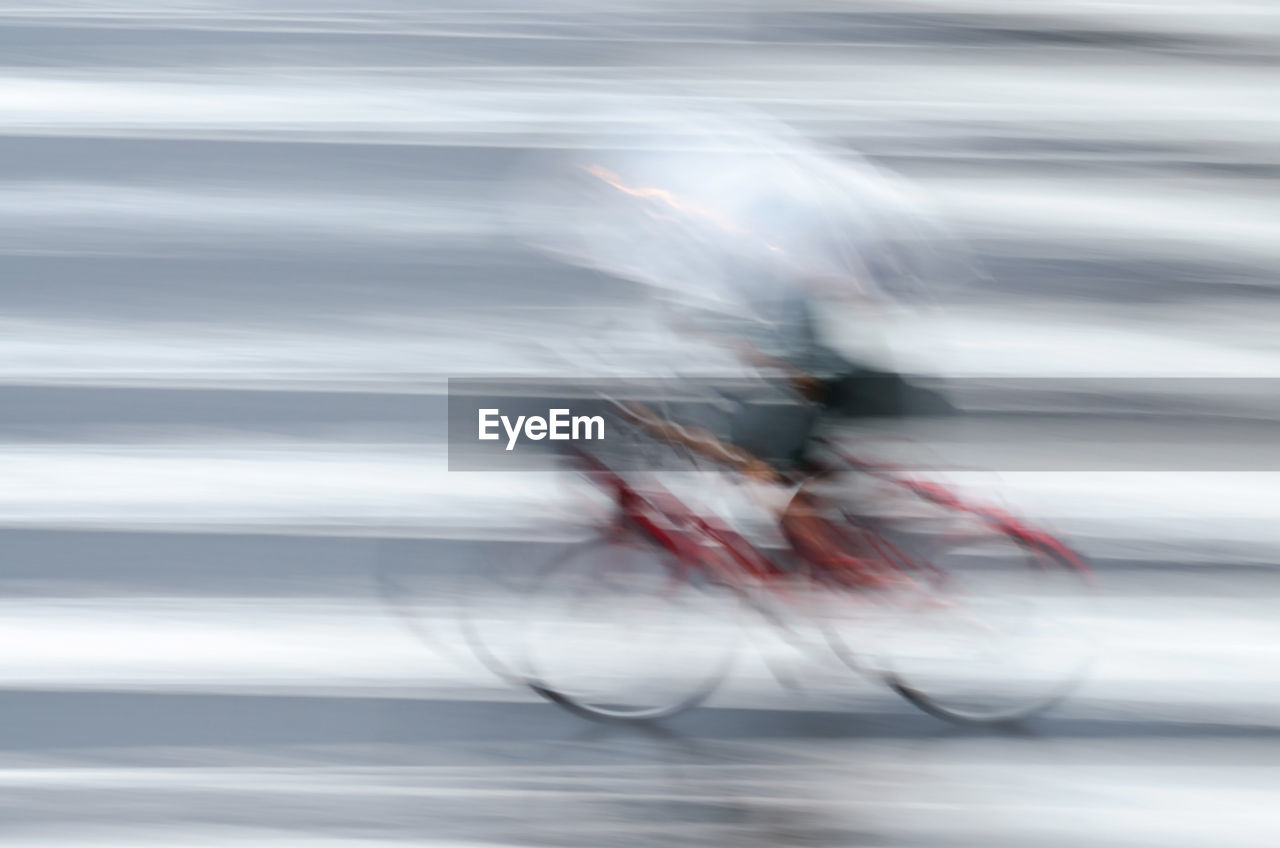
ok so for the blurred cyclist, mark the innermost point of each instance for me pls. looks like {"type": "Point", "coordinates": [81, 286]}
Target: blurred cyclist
{"type": "Point", "coordinates": [763, 228]}
{"type": "Point", "coordinates": [774, 442]}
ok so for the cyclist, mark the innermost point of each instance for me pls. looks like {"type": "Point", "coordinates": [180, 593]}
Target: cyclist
{"type": "Point", "coordinates": [747, 217]}
{"type": "Point", "coordinates": [774, 442]}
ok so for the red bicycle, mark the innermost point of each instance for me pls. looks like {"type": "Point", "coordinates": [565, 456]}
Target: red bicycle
{"type": "Point", "coordinates": [961, 608]}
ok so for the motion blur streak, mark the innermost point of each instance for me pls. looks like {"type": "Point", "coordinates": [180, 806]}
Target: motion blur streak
{"type": "Point", "coordinates": [245, 243]}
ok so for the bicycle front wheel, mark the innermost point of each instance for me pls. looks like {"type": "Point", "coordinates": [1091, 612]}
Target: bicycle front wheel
{"type": "Point", "coordinates": [615, 630]}
{"type": "Point", "coordinates": [993, 630]}
{"type": "Point", "coordinates": [1003, 634]}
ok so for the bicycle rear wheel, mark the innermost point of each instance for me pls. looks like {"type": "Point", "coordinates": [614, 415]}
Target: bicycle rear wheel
{"type": "Point", "coordinates": [614, 630]}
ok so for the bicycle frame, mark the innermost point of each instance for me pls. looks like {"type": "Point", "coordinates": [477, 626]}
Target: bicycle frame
{"type": "Point", "coordinates": [667, 521]}
{"type": "Point", "coordinates": [700, 545]}
{"type": "Point", "coordinates": [999, 520]}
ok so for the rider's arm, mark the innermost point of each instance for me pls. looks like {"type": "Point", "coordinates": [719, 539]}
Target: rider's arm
{"type": "Point", "coordinates": [701, 442]}
{"type": "Point", "coordinates": [810, 388]}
